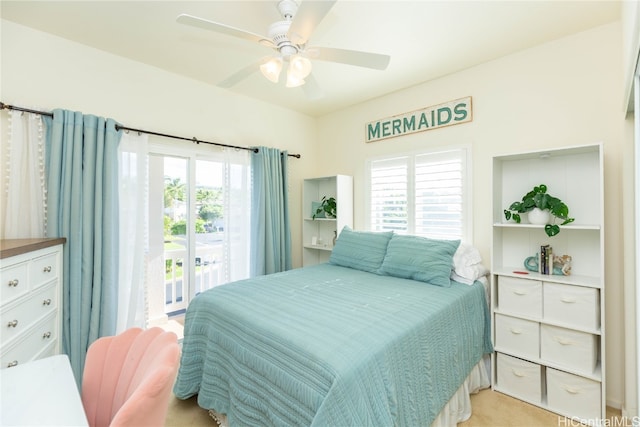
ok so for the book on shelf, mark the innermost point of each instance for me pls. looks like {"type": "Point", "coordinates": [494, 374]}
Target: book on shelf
{"type": "Point", "coordinates": [546, 260]}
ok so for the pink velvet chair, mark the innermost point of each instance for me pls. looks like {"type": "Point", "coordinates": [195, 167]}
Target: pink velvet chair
{"type": "Point", "coordinates": [127, 378]}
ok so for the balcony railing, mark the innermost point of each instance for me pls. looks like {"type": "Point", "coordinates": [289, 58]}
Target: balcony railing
{"type": "Point", "coordinates": [208, 274]}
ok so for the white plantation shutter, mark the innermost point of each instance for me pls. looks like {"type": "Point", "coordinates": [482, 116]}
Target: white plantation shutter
{"type": "Point", "coordinates": [389, 194]}
{"type": "Point", "coordinates": [423, 194]}
{"type": "Point", "coordinates": [439, 195]}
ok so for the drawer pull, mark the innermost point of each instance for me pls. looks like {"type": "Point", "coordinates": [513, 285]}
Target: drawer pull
{"type": "Point", "coordinates": [520, 293]}
{"type": "Point", "coordinates": [12, 364]}
{"type": "Point", "coordinates": [46, 335]}
{"type": "Point", "coordinates": [568, 300]}
{"type": "Point", "coordinates": [12, 324]}
{"type": "Point", "coordinates": [516, 331]}
{"type": "Point", "coordinates": [47, 301]}
{"type": "Point", "coordinates": [47, 269]}
{"type": "Point", "coordinates": [518, 373]}
{"type": "Point", "coordinates": [13, 283]}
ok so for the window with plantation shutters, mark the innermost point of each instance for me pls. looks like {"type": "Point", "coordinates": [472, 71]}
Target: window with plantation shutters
{"type": "Point", "coordinates": [422, 193]}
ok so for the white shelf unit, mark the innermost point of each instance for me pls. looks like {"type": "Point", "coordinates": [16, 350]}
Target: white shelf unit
{"type": "Point", "coordinates": [548, 330]}
{"type": "Point", "coordinates": [324, 229]}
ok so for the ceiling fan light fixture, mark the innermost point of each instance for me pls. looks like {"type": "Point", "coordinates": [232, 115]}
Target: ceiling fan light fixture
{"type": "Point", "coordinates": [299, 66]}
{"type": "Point", "coordinates": [271, 69]}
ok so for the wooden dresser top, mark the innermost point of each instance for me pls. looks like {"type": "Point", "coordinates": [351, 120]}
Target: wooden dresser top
{"type": "Point", "coordinates": [13, 247]}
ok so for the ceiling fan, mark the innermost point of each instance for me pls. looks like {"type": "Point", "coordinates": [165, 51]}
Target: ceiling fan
{"type": "Point", "coordinates": [288, 38]}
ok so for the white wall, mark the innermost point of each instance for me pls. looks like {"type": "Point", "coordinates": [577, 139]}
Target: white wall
{"type": "Point", "coordinates": [43, 71]}
{"type": "Point", "coordinates": [568, 92]}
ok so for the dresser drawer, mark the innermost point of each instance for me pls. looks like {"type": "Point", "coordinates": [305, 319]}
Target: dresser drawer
{"type": "Point", "coordinates": [574, 395]}
{"type": "Point", "coordinates": [573, 349]}
{"type": "Point", "coordinates": [14, 282]}
{"type": "Point", "coordinates": [44, 269]}
{"type": "Point", "coordinates": [17, 318]}
{"type": "Point", "coordinates": [520, 296]}
{"type": "Point", "coordinates": [572, 305]}
{"type": "Point", "coordinates": [31, 344]}
{"type": "Point", "coordinates": [518, 336]}
{"type": "Point", "coordinates": [519, 378]}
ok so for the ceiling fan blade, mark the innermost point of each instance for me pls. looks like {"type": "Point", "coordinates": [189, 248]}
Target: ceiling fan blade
{"type": "Point", "coordinates": [310, 13]}
{"type": "Point", "coordinates": [311, 88]}
{"type": "Point", "coordinates": [240, 75]}
{"type": "Point", "coordinates": [205, 24]}
{"type": "Point", "coordinates": [351, 57]}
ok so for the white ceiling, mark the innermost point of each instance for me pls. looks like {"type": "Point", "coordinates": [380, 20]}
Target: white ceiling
{"type": "Point", "coordinates": [425, 39]}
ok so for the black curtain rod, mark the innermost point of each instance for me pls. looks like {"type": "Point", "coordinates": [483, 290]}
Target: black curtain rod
{"type": "Point", "coordinates": [4, 106]}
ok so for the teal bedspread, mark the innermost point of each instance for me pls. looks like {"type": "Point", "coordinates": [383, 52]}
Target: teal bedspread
{"type": "Point", "coordinates": [331, 346]}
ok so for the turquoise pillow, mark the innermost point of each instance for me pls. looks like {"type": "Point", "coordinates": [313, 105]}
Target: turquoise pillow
{"type": "Point", "coordinates": [361, 250]}
{"type": "Point", "coordinates": [420, 258]}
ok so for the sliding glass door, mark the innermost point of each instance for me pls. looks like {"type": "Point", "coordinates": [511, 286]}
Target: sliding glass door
{"type": "Point", "coordinates": [198, 222]}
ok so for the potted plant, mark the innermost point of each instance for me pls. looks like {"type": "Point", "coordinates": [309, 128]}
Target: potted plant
{"type": "Point", "coordinates": [327, 206]}
{"type": "Point", "coordinates": [538, 199]}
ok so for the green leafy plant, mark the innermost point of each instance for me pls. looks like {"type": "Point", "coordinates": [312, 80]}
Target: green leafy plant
{"type": "Point", "coordinates": [328, 206]}
{"type": "Point", "coordinates": [538, 198]}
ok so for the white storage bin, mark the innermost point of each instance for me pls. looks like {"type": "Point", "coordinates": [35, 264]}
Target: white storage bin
{"type": "Point", "coordinates": [574, 396]}
{"type": "Point", "coordinates": [519, 378]}
{"type": "Point", "coordinates": [572, 305]}
{"type": "Point", "coordinates": [520, 296]}
{"type": "Point", "coordinates": [518, 336]}
{"type": "Point", "coordinates": [574, 349]}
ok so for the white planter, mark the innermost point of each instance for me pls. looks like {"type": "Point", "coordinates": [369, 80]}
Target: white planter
{"type": "Point", "coordinates": [538, 216]}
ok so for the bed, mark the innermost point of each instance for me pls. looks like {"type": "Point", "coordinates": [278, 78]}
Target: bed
{"type": "Point", "coordinates": [377, 336]}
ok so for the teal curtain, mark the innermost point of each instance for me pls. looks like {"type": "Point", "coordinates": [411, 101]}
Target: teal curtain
{"type": "Point", "coordinates": [270, 229]}
{"type": "Point", "coordinates": [82, 205]}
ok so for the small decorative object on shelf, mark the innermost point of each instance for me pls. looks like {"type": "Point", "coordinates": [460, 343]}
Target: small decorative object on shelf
{"type": "Point", "coordinates": [538, 200]}
{"type": "Point", "coordinates": [548, 263]}
{"type": "Point", "coordinates": [326, 209]}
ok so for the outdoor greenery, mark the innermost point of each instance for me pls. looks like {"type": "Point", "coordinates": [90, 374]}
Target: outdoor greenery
{"type": "Point", "coordinates": [208, 205]}
{"type": "Point", "coordinates": [209, 212]}
{"type": "Point", "coordinates": [179, 228]}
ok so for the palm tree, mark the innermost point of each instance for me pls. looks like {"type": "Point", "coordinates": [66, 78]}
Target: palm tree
{"type": "Point", "coordinates": [174, 190]}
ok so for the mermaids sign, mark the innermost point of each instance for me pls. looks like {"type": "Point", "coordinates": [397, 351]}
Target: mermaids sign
{"type": "Point", "coordinates": [446, 114]}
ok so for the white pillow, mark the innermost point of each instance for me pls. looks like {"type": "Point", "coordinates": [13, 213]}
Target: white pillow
{"type": "Point", "coordinates": [467, 265]}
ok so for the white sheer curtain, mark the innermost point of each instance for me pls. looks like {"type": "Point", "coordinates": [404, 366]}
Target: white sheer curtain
{"type": "Point", "coordinates": [237, 213]}
{"type": "Point", "coordinates": [25, 202]}
{"type": "Point", "coordinates": [134, 225]}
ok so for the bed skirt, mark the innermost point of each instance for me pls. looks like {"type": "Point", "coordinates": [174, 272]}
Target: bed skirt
{"type": "Point", "coordinates": [457, 409]}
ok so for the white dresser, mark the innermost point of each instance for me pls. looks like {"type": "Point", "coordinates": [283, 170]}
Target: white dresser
{"type": "Point", "coordinates": [30, 299]}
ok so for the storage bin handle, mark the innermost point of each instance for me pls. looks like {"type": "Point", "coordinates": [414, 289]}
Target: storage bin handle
{"type": "Point", "coordinates": [516, 331]}
{"type": "Point", "coordinates": [518, 373]}
{"type": "Point", "coordinates": [519, 292]}
{"type": "Point", "coordinates": [568, 300]}
{"type": "Point", "coordinates": [571, 390]}
{"type": "Point", "coordinates": [563, 341]}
